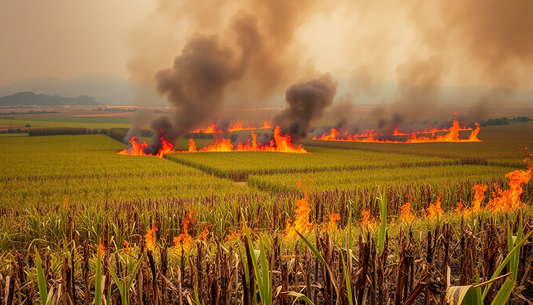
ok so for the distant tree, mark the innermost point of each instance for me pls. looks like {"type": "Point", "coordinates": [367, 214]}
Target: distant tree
{"type": "Point", "coordinates": [27, 125]}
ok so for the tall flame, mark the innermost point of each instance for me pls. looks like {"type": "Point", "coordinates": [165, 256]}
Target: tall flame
{"type": "Point", "coordinates": [205, 233]}
{"type": "Point", "coordinates": [406, 214]}
{"type": "Point", "coordinates": [435, 209]}
{"type": "Point", "coordinates": [279, 144]}
{"type": "Point", "coordinates": [184, 240]}
{"type": "Point", "coordinates": [149, 238]}
{"type": "Point", "coordinates": [332, 224]}
{"type": "Point", "coordinates": [502, 201]}
{"type": "Point", "coordinates": [368, 220]}
{"type": "Point", "coordinates": [301, 219]}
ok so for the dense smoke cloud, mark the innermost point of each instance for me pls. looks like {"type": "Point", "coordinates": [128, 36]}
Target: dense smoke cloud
{"type": "Point", "coordinates": [243, 54]}
{"type": "Point", "coordinates": [306, 102]}
{"type": "Point", "coordinates": [196, 81]}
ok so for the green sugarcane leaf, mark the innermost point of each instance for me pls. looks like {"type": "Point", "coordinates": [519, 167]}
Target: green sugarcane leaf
{"type": "Point", "coordinates": [41, 280]}
{"type": "Point", "coordinates": [98, 283]}
{"type": "Point", "coordinates": [301, 296]}
{"type": "Point", "coordinates": [313, 249]}
{"type": "Point", "coordinates": [505, 292]}
{"type": "Point", "coordinates": [383, 227]}
{"type": "Point", "coordinates": [505, 261]}
{"type": "Point", "coordinates": [267, 284]}
{"type": "Point", "coordinates": [347, 278]}
{"type": "Point", "coordinates": [119, 285]}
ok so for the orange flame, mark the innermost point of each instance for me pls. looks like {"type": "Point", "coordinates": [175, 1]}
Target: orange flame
{"type": "Point", "coordinates": [434, 210]}
{"type": "Point", "coordinates": [149, 238]}
{"type": "Point", "coordinates": [462, 210]}
{"type": "Point", "coordinates": [234, 235]}
{"type": "Point", "coordinates": [332, 224]}
{"type": "Point", "coordinates": [184, 240]}
{"type": "Point", "coordinates": [279, 144]}
{"type": "Point", "coordinates": [205, 232]}
{"type": "Point", "coordinates": [476, 203]}
{"type": "Point", "coordinates": [138, 149]}
{"type": "Point", "coordinates": [102, 247]}
{"type": "Point", "coordinates": [127, 246]}
{"type": "Point", "coordinates": [478, 197]}
{"type": "Point", "coordinates": [368, 220]}
{"type": "Point", "coordinates": [369, 136]}
{"type": "Point", "coordinates": [301, 219]}
{"type": "Point", "coordinates": [213, 128]}
{"type": "Point", "coordinates": [406, 214]}
{"type": "Point", "coordinates": [502, 201]}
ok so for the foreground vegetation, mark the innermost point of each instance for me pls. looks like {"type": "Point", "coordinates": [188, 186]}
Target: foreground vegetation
{"type": "Point", "coordinates": [202, 252]}
{"type": "Point", "coordinates": [80, 224]}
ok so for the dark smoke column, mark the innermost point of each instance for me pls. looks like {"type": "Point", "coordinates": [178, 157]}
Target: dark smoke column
{"type": "Point", "coordinates": [306, 102]}
{"type": "Point", "coordinates": [196, 81]}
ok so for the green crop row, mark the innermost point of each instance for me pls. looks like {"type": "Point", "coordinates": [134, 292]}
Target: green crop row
{"type": "Point", "coordinates": [323, 181]}
{"type": "Point", "coordinates": [238, 165]}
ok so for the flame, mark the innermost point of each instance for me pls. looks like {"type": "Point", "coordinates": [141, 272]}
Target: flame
{"type": "Point", "coordinates": [434, 210]}
{"type": "Point", "coordinates": [127, 246]}
{"type": "Point", "coordinates": [478, 197]}
{"type": "Point", "coordinates": [102, 247]}
{"type": "Point", "coordinates": [332, 224]}
{"type": "Point", "coordinates": [213, 128]}
{"type": "Point", "coordinates": [184, 240]}
{"type": "Point", "coordinates": [368, 220]}
{"type": "Point", "coordinates": [139, 149]}
{"type": "Point", "coordinates": [234, 235]}
{"type": "Point", "coordinates": [301, 219]}
{"type": "Point", "coordinates": [149, 238]}
{"type": "Point", "coordinates": [369, 136]}
{"type": "Point", "coordinates": [502, 201]}
{"type": "Point", "coordinates": [407, 215]}
{"type": "Point", "coordinates": [279, 144]}
{"type": "Point", "coordinates": [462, 210]}
{"type": "Point", "coordinates": [205, 232]}
{"type": "Point", "coordinates": [397, 133]}
{"type": "Point", "coordinates": [476, 203]}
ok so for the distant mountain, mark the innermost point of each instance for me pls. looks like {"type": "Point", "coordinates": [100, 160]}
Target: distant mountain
{"type": "Point", "coordinates": [107, 89]}
{"type": "Point", "coordinates": [30, 98]}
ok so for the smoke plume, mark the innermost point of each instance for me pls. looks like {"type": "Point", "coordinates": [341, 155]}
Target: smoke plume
{"type": "Point", "coordinates": [305, 102]}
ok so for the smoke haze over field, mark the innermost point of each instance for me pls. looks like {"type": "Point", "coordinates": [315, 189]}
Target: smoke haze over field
{"type": "Point", "coordinates": [211, 55]}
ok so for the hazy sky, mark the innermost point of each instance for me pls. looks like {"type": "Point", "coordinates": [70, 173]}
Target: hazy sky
{"type": "Point", "coordinates": [67, 38]}
{"type": "Point", "coordinates": [439, 43]}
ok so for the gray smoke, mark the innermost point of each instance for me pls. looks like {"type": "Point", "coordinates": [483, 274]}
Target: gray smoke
{"type": "Point", "coordinates": [306, 102]}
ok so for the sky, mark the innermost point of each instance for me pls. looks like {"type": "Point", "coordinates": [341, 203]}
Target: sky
{"type": "Point", "coordinates": [409, 42]}
{"type": "Point", "coordinates": [67, 38]}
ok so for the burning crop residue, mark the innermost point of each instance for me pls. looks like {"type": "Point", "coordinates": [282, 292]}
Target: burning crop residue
{"type": "Point", "coordinates": [434, 210]}
{"type": "Point", "coordinates": [141, 149]}
{"type": "Point", "coordinates": [279, 143]}
{"type": "Point", "coordinates": [371, 136]}
{"type": "Point", "coordinates": [183, 242]}
{"type": "Point", "coordinates": [301, 219]}
{"type": "Point", "coordinates": [406, 214]}
{"type": "Point", "coordinates": [503, 201]}
{"type": "Point", "coordinates": [214, 128]}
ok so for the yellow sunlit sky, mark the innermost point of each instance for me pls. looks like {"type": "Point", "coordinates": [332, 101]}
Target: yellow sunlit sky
{"type": "Point", "coordinates": [70, 38]}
